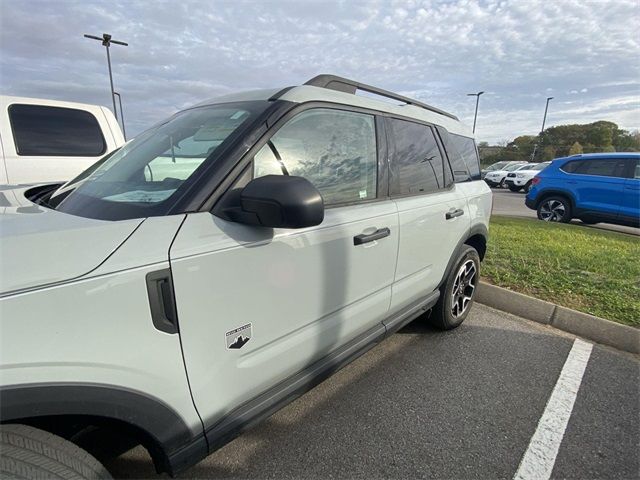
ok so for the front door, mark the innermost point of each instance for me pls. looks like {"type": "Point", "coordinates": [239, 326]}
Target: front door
{"type": "Point", "coordinates": [257, 305]}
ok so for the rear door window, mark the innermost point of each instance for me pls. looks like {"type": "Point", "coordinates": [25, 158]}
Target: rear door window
{"type": "Point", "coordinates": [416, 162]}
{"type": "Point", "coordinates": [54, 131]}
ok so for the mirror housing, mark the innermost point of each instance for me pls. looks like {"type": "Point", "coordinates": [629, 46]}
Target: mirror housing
{"type": "Point", "coordinates": [277, 201]}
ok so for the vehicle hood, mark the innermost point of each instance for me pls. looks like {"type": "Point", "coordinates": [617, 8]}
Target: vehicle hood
{"type": "Point", "coordinates": [40, 246]}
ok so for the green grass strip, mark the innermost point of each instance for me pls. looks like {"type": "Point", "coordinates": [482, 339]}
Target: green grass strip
{"type": "Point", "coordinates": [587, 269]}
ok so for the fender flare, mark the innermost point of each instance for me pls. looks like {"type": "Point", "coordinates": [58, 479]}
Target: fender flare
{"type": "Point", "coordinates": [155, 418]}
{"type": "Point", "coordinates": [478, 229]}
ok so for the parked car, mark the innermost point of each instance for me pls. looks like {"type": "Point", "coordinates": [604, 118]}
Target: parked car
{"type": "Point", "coordinates": [521, 178]}
{"type": "Point", "coordinates": [595, 187]}
{"type": "Point", "coordinates": [497, 177]}
{"type": "Point", "coordinates": [222, 263]}
{"type": "Point", "coordinates": [495, 167]}
{"type": "Point", "coordinates": [46, 141]}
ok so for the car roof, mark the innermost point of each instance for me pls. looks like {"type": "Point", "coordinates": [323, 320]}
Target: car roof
{"type": "Point", "coordinates": [6, 100]}
{"type": "Point", "coordinates": [596, 156]}
{"type": "Point", "coordinates": [311, 92]}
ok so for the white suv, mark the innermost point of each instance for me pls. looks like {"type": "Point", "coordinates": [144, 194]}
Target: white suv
{"type": "Point", "coordinates": [521, 179]}
{"type": "Point", "coordinates": [497, 178]}
{"type": "Point", "coordinates": [223, 262]}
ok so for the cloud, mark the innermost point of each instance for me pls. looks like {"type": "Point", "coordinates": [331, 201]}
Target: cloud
{"type": "Point", "coordinates": [181, 53]}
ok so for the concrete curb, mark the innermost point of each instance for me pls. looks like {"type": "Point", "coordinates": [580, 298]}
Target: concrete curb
{"type": "Point", "coordinates": [584, 325]}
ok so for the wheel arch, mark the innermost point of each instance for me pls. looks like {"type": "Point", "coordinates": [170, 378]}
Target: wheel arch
{"type": "Point", "coordinates": [157, 426]}
{"type": "Point", "coordinates": [555, 193]}
{"type": "Point", "coordinates": [476, 237]}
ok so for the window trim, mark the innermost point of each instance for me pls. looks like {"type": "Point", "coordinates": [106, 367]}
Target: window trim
{"type": "Point", "coordinates": [75, 155]}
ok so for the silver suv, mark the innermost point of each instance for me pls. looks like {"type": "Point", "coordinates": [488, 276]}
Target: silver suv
{"type": "Point", "coordinates": [215, 267]}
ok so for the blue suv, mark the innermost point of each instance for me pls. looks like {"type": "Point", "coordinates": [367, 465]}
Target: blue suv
{"type": "Point", "coordinates": [594, 187]}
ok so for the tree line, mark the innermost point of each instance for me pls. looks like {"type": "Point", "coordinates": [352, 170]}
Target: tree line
{"type": "Point", "coordinates": [563, 140]}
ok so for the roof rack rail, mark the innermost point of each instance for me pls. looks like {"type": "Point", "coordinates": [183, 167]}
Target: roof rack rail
{"type": "Point", "coordinates": [340, 84]}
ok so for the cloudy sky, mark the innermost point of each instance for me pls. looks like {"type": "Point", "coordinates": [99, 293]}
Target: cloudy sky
{"type": "Point", "coordinates": [586, 54]}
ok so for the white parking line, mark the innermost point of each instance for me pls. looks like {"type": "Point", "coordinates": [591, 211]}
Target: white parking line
{"type": "Point", "coordinates": [537, 462]}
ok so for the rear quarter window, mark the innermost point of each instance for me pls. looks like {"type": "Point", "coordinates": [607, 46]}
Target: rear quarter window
{"type": "Point", "coordinates": [464, 152]}
{"type": "Point", "coordinates": [463, 156]}
{"type": "Point", "coordinates": [40, 130]}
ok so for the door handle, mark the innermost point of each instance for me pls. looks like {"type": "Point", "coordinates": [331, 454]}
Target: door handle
{"type": "Point", "coordinates": [454, 213]}
{"type": "Point", "coordinates": [377, 235]}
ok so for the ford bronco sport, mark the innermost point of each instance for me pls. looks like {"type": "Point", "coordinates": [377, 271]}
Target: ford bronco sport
{"type": "Point", "coordinates": [224, 262]}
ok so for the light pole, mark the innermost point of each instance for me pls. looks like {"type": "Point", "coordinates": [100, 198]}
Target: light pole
{"type": "Point", "coordinates": [546, 108]}
{"type": "Point", "coordinates": [544, 119]}
{"type": "Point", "coordinates": [124, 132]}
{"type": "Point", "coordinates": [107, 41]}
{"type": "Point", "coordinates": [475, 116]}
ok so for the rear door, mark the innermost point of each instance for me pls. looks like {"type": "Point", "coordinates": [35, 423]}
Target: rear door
{"type": "Point", "coordinates": [433, 214]}
{"type": "Point", "coordinates": [258, 305]}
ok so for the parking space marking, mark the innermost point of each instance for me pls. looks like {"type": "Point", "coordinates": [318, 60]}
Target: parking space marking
{"type": "Point", "coordinates": [540, 457]}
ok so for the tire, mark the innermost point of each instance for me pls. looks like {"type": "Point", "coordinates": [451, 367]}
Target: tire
{"type": "Point", "coordinates": [554, 209]}
{"type": "Point", "coordinates": [513, 188]}
{"type": "Point", "coordinates": [454, 304]}
{"type": "Point", "coordinates": [501, 184]}
{"type": "Point", "coordinates": [30, 453]}
{"type": "Point", "coordinates": [527, 187]}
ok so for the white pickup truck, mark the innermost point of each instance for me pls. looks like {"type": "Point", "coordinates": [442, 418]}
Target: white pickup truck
{"type": "Point", "coordinates": [45, 141]}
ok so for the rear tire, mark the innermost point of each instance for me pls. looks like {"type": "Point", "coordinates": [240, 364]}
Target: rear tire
{"type": "Point", "coordinates": [458, 292]}
{"type": "Point", "coordinates": [554, 209]}
{"type": "Point", "coordinates": [30, 453]}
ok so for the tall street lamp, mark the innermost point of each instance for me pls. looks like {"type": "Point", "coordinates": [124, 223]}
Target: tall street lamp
{"type": "Point", "coordinates": [544, 120]}
{"type": "Point", "coordinates": [124, 132]}
{"type": "Point", "coordinates": [107, 41]}
{"type": "Point", "coordinates": [475, 116]}
{"type": "Point", "coordinates": [546, 108]}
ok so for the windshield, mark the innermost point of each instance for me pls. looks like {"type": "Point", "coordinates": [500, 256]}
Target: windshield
{"type": "Point", "coordinates": [139, 179]}
{"type": "Point", "coordinates": [496, 166]}
{"type": "Point", "coordinates": [512, 168]}
{"type": "Point", "coordinates": [541, 166]}
{"type": "Point", "coordinates": [527, 166]}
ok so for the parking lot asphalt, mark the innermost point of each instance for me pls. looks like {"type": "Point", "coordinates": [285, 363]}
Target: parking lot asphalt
{"type": "Point", "coordinates": [431, 404]}
{"type": "Point", "coordinates": [506, 202]}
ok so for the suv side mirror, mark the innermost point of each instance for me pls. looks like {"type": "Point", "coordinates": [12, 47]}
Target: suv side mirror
{"type": "Point", "coordinates": [277, 201]}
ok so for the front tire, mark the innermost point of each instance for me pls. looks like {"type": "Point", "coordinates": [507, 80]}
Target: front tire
{"type": "Point", "coordinates": [527, 187]}
{"type": "Point", "coordinates": [513, 188]}
{"type": "Point", "coordinates": [458, 292]}
{"type": "Point", "coordinates": [27, 452]}
{"type": "Point", "coordinates": [554, 209]}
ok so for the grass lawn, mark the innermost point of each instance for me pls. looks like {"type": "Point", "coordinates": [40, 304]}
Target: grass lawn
{"type": "Point", "coordinates": [589, 270]}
